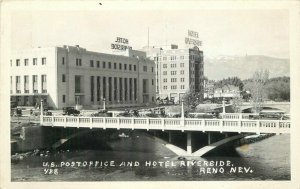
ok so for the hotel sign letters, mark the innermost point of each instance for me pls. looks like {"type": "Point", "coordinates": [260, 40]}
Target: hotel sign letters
{"type": "Point", "coordinates": [193, 38]}
{"type": "Point", "coordinates": [121, 44]}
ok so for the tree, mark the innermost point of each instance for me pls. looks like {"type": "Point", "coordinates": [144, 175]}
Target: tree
{"type": "Point", "coordinates": [191, 100]}
{"type": "Point", "coordinates": [278, 89]}
{"type": "Point", "coordinates": [237, 102]}
{"type": "Point", "coordinates": [257, 89]}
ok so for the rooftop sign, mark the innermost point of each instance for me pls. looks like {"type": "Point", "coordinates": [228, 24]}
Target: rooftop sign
{"type": "Point", "coordinates": [121, 44]}
{"type": "Point", "coordinates": [192, 38]}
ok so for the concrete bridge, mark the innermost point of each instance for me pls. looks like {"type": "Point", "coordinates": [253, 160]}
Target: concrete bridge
{"type": "Point", "coordinates": [284, 106]}
{"type": "Point", "coordinates": [181, 124]}
{"type": "Point", "coordinates": [236, 125]}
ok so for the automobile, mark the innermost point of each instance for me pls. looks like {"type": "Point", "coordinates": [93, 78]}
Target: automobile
{"type": "Point", "coordinates": [271, 114]}
{"type": "Point", "coordinates": [70, 111]}
{"type": "Point", "coordinates": [47, 113]}
{"type": "Point", "coordinates": [16, 112]}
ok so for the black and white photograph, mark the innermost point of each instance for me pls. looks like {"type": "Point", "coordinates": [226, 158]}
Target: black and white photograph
{"type": "Point", "coordinates": [148, 91]}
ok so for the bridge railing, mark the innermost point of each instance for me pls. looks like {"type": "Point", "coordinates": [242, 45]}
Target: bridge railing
{"type": "Point", "coordinates": [190, 124]}
{"type": "Point", "coordinates": [237, 115]}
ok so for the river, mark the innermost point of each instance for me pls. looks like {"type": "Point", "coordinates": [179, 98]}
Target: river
{"type": "Point", "coordinates": [268, 159]}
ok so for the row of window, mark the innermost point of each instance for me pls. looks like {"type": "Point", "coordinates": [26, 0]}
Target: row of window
{"type": "Point", "coordinates": [173, 80]}
{"type": "Point", "coordinates": [165, 58]}
{"type": "Point", "coordinates": [26, 62]}
{"type": "Point", "coordinates": [26, 78]}
{"type": "Point", "coordinates": [34, 83]}
{"type": "Point", "coordinates": [173, 72]}
{"type": "Point", "coordinates": [173, 65]}
{"type": "Point", "coordinates": [109, 65]}
{"type": "Point", "coordinates": [171, 58]}
{"type": "Point", "coordinates": [64, 79]}
{"type": "Point", "coordinates": [64, 99]}
{"type": "Point", "coordinates": [173, 87]}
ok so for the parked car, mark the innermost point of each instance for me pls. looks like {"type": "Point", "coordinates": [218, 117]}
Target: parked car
{"type": "Point", "coordinates": [271, 114]}
{"type": "Point", "coordinates": [70, 111]}
{"type": "Point", "coordinates": [16, 112]}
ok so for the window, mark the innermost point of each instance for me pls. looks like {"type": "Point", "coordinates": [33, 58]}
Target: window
{"type": "Point", "coordinates": [44, 78]}
{"type": "Point", "coordinates": [103, 64]}
{"type": "Point", "coordinates": [120, 66]}
{"type": "Point", "coordinates": [182, 79]}
{"type": "Point", "coordinates": [165, 87]}
{"type": "Point", "coordinates": [44, 61]}
{"type": "Point", "coordinates": [44, 84]}
{"type": "Point", "coordinates": [152, 81]}
{"type": "Point", "coordinates": [173, 72]}
{"type": "Point", "coordinates": [34, 78]}
{"type": "Point", "coordinates": [64, 98]}
{"type": "Point", "coordinates": [181, 65]}
{"type": "Point", "coordinates": [109, 65]}
{"type": "Point", "coordinates": [173, 87]}
{"type": "Point", "coordinates": [26, 83]}
{"type": "Point", "coordinates": [91, 63]}
{"type": "Point", "coordinates": [78, 62]}
{"type": "Point", "coordinates": [165, 65]}
{"type": "Point", "coordinates": [152, 69]}
{"type": "Point", "coordinates": [134, 67]}
{"type": "Point", "coordinates": [165, 80]}
{"type": "Point", "coordinates": [164, 72]}
{"type": "Point", "coordinates": [173, 65]}
{"type": "Point", "coordinates": [181, 71]}
{"type": "Point", "coordinates": [115, 66]}
{"type": "Point", "coordinates": [125, 66]}
{"type": "Point", "coordinates": [181, 57]}
{"type": "Point", "coordinates": [18, 62]}
{"type": "Point", "coordinates": [173, 79]}
{"type": "Point", "coordinates": [98, 64]}
{"type": "Point", "coordinates": [173, 57]}
{"type": "Point", "coordinates": [35, 83]}
{"type": "Point", "coordinates": [181, 86]}
{"type": "Point", "coordinates": [25, 62]}
{"type": "Point", "coordinates": [145, 68]}
{"type": "Point", "coordinates": [164, 58]}
{"type": "Point", "coordinates": [63, 78]}
{"type": "Point", "coordinates": [92, 88]}
{"type": "Point", "coordinates": [10, 63]}
{"type": "Point", "coordinates": [18, 81]}
{"type": "Point", "coordinates": [129, 66]}
{"type": "Point", "coordinates": [63, 60]}
{"type": "Point", "coordinates": [11, 83]}
{"type": "Point", "coordinates": [34, 61]}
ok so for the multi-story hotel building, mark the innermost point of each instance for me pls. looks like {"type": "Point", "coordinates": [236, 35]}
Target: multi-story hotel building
{"type": "Point", "coordinates": [71, 75]}
{"type": "Point", "coordinates": [177, 71]}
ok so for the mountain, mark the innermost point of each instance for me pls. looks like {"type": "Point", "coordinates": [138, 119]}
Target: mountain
{"type": "Point", "coordinates": [220, 67]}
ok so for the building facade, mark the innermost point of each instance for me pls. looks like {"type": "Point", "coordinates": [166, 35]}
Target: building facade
{"type": "Point", "coordinates": [177, 71]}
{"type": "Point", "coordinates": [226, 91]}
{"type": "Point", "coordinates": [71, 75]}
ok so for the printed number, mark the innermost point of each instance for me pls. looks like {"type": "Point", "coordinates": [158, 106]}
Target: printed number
{"type": "Point", "coordinates": [51, 171]}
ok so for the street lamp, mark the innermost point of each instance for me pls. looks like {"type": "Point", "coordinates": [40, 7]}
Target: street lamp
{"type": "Point", "coordinates": [104, 107]}
{"type": "Point", "coordinates": [223, 104]}
{"type": "Point", "coordinates": [42, 112]}
{"type": "Point", "coordinates": [182, 109]}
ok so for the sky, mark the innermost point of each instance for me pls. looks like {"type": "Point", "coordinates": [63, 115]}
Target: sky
{"type": "Point", "coordinates": [222, 32]}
